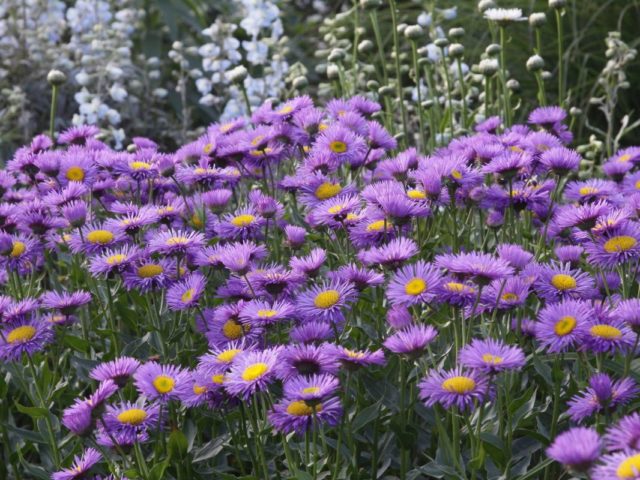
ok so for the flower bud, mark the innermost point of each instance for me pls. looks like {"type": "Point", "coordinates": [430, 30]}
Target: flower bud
{"type": "Point", "coordinates": [457, 32]}
{"type": "Point", "coordinates": [56, 77]}
{"type": "Point", "coordinates": [513, 85]}
{"type": "Point", "coordinates": [488, 67]}
{"type": "Point", "coordinates": [365, 46]}
{"type": "Point", "coordinates": [486, 5]}
{"type": "Point", "coordinates": [441, 42]}
{"type": "Point", "coordinates": [557, 4]}
{"type": "Point", "coordinates": [237, 74]}
{"type": "Point", "coordinates": [333, 71]}
{"type": "Point", "coordinates": [336, 55]}
{"type": "Point", "coordinates": [493, 49]}
{"type": "Point", "coordinates": [456, 50]}
{"type": "Point", "coordinates": [537, 19]}
{"type": "Point", "coordinates": [414, 32]}
{"type": "Point", "coordinates": [535, 63]}
{"type": "Point", "coordinates": [300, 82]}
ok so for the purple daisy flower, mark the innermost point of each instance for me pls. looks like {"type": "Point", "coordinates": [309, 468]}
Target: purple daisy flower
{"type": "Point", "coordinates": [547, 116]}
{"type": "Point", "coordinates": [261, 313]}
{"type": "Point", "coordinates": [414, 284]}
{"type": "Point", "coordinates": [176, 242]}
{"type": "Point", "coordinates": [399, 317]}
{"type": "Point", "coordinates": [113, 260]}
{"type": "Point", "coordinates": [618, 466]}
{"type": "Point", "coordinates": [295, 235]}
{"type": "Point", "coordinates": [615, 248]}
{"type": "Point", "coordinates": [602, 393]}
{"type": "Point", "coordinates": [290, 415]}
{"type": "Point", "coordinates": [325, 301]}
{"type": "Point", "coordinates": [66, 302]}
{"type": "Point", "coordinates": [244, 224]}
{"type": "Point", "coordinates": [94, 238]}
{"type": "Point", "coordinates": [311, 389]}
{"type": "Point", "coordinates": [582, 217]}
{"type": "Point", "coordinates": [80, 467]}
{"type": "Point", "coordinates": [78, 135]}
{"type": "Point", "coordinates": [576, 449]}
{"type": "Point", "coordinates": [78, 418]}
{"type": "Point", "coordinates": [624, 435]}
{"type": "Point", "coordinates": [570, 254]}
{"type": "Point", "coordinates": [24, 336]}
{"type": "Point", "coordinates": [356, 359]}
{"type": "Point", "coordinates": [360, 278]}
{"type": "Point", "coordinates": [125, 422]}
{"type": "Point", "coordinates": [186, 293]}
{"type": "Point", "coordinates": [454, 292]}
{"type": "Point", "coordinates": [392, 255]}
{"type": "Point", "coordinates": [411, 340]}
{"type": "Point", "coordinates": [342, 145]}
{"type": "Point", "coordinates": [119, 370]}
{"type": "Point", "coordinates": [146, 274]}
{"type": "Point", "coordinates": [481, 268]}
{"type": "Point", "coordinates": [192, 392]}
{"type": "Point", "coordinates": [514, 254]}
{"type": "Point", "coordinates": [559, 281]}
{"type": "Point", "coordinates": [560, 160]}
{"type": "Point", "coordinates": [457, 387]}
{"type": "Point", "coordinates": [310, 264]}
{"type": "Point", "coordinates": [158, 382]}
{"type": "Point", "coordinates": [629, 312]}
{"type": "Point", "coordinates": [563, 325]}
{"type": "Point", "coordinates": [607, 333]}
{"type": "Point", "coordinates": [305, 360]}
{"type": "Point", "coordinates": [491, 356]}
{"type": "Point", "coordinates": [252, 372]}
{"type": "Point", "coordinates": [220, 358]}
{"type": "Point", "coordinates": [311, 332]}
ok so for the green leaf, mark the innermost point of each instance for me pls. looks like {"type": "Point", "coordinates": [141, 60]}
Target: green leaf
{"type": "Point", "coordinates": [178, 444]}
{"type": "Point", "coordinates": [33, 412]}
{"type": "Point", "coordinates": [366, 416]}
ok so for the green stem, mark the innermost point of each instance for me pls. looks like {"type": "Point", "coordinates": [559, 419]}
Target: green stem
{"type": "Point", "coordinates": [52, 113]}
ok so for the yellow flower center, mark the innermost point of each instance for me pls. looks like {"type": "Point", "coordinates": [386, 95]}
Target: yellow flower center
{"type": "Point", "coordinates": [116, 259]}
{"type": "Point", "coordinates": [352, 217]}
{"type": "Point", "coordinates": [415, 286]}
{"type": "Point", "coordinates": [100, 236]}
{"type": "Point", "coordinates": [492, 359]}
{"type": "Point", "coordinates": [187, 296]}
{"type": "Point", "coordinates": [588, 190]}
{"type": "Point", "coordinates": [196, 221]}
{"type": "Point", "coordinates": [605, 331]}
{"type": "Point", "coordinates": [630, 467]}
{"type": "Point", "coordinates": [416, 194]}
{"type": "Point", "coordinates": [624, 158]}
{"type": "Point", "coordinates": [218, 378]}
{"type": "Point", "coordinates": [208, 148]}
{"type": "Point", "coordinates": [255, 371]}
{"type": "Point", "coordinates": [328, 190]}
{"type": "Point", "coordinates": [21, 334]}
{"type": "Point", "coordinates": [257, 140]}
{"type": "Point", "coordinates": [226, 127]}
{"type": "Point", "coordinates": [352, 354]}
{"type": "Point", "coordinates": [456, 174]}
{"type": "Point", "coordinates": [515, 148]}
{"type": "Point", "coordinates": [243, 220]}
{"type": "Point", "coordinates": [148, 271]}
{"type": "Point", "coordinates": [338, 147]}
{"type": "Point", "coordinates": [299, 408]}
{"type": "Point", "coordinates": [286, 109]}
{"type": "Point", "coordinates": [18, 248]}
{"type": "Point", "coordinates": [509, 297]}
{"type": "Point", "coordinates": [132, 416]}
{"type": "Point", "coordinates": [312, 390]}
{"type": "Point", "coordinates": [164, 384]}
{"type": "Point", "coordinates": [232, 330]}
{"type": "Point", "coordinates": [459, 385]}
{"type": "Point", "coordinates": [140, 165]}
{"type": "Point", "coordinates": [228, 355]}
{"type": "Point", "coordinates": [336, 209]}
{"type": "Point", "coordinates": [563, 281]}
{"type": "Point", "coordinates": [458, 287]}
{"type": "Point", "coordinates": [322, 127]}
{"type": "Point", "coordinates": [327, 299]}
{"type": "Point", "coordinates": [376, 226]}
{"type": "Point", "coordinates": [199, 390]}
{"type": "Point", "coordinates": [75, 174]}
{"type": "Point", "coordinates": [259, 153]}
{"type": "Point", "coordinates": [267, 313]}
{"type": "Point", "coordinates": [565, 325]}
{"type": "Point", "coordinates": [638, 185]}
{"type": "Point", "coordinates": [173, 241]}
{"type": "Point", "coordinates": [621, 243]}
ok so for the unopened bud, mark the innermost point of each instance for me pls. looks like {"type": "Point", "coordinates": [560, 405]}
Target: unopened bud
{"type": "Point", "coordinates": [56, 77]}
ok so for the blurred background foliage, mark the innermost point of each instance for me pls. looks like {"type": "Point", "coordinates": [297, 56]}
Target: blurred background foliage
{"type": "Point", "coordinates": [176, 117]}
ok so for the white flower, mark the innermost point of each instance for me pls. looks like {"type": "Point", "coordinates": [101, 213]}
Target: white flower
{"type": "Point", "coordinates": [82, 77]}
{"type": "Point", "coordinates": [160, 92]}
{"type": "Point", "coordinates": [424, 19]}
{"type": "Point", "coordinates": [208, 100]}
{"type": "Point", "coordinates": [450, 13]}
{"type": "Point", "coordinates": [504, 15]}
{"type": "Point", "coordinates": [117, 92]}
